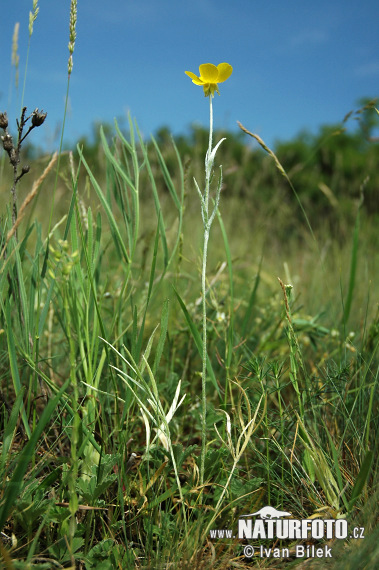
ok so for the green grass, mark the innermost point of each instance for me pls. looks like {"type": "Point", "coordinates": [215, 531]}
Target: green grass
{"type": "Point", "coordinates": [101, 361]}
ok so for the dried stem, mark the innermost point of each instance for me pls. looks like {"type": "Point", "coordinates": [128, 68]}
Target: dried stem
{"type": "Point", "coordinates": [13, 151]}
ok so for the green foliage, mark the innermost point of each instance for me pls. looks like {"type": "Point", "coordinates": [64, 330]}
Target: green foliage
{"type": "Point", "coordinates": [95, 285]}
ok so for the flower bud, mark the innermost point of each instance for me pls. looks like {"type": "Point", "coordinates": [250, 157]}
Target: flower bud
{"type": "Point", "coordinates": [3, 121]}
{"type": "Point", "coordinates": [38, 118]}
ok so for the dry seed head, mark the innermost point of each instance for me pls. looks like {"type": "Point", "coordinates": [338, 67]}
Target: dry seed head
{"type": "Point", "coordinates": [33, 16]}
{"type": "Point", "coordinates": [73, 18]}
{"type": "Point", "coordinates": [38, 117]}
{"type": "Point", "coordinates": [3, 121]}
{"type": "Point", "coordinates": [71, 43]}
{"type": "Point", "coordinates": [15, 57]}
{"type": "Point", "coordinates": [70, 64]}
{"type": "Point", "coordinates": [7, 142]}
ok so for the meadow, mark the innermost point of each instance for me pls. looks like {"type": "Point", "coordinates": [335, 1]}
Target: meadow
{"type": "Point", "coordinates": [102, 356]}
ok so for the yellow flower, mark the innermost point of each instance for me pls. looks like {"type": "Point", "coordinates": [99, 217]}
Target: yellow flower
{"type": "Point", "coordinates": [210, 76]}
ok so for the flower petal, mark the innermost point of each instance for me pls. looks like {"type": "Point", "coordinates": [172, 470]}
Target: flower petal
{"type": "Point", "coordinates": [191, 75]}
{"type": "Point", "coordinates": [224, 71]}
{"type": "Point", "coordinates": [208, 73]}
{"type": "Point", "coordinates": [195, 78]}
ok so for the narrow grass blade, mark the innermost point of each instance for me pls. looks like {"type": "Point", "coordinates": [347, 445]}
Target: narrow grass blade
{"type": "Point", "coordinates": [337, 467]}
{"type": "Point", "coordinates": [198, 340]}
{"type": "Point", "coordinates": [250, 306]}
{"type": "Point", "coordinates": [353, 270]}
{"type": "Point", "coordinates": [158, 208]}
{"type": "Point", "coordinates": [162, 337]}
{"type": "Point", "coordinates": [166, 175]}
{"type": "Point", "coordinates": [23, 297]}
{"type": "Point", "coordinates": [89, 277]}
{"type": "Point", "coordinates": [361, 478]}
{"type": "Point", "coordinates": [149, 291]}
{"type": "Point", "coordinates": [72, 206]}
{"type": "Point", "coordinates": [229, 346]}
{"type": "Point", "coordinates": [119, 242]}
{"type": "Point", "coordinates": [14, 366]}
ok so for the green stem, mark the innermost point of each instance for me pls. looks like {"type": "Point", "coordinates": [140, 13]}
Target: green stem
{"type": "Point", "coordinates": [26, 68]}
{"type": "Point", "coordinates": [204, 372]}
{"type": "Point", "coordinates": [208, 163]}
{"type": "Point", "coordinates": [210, 122]}
{"type": "Point", "coordinates": [73, 473]}
{"type": "Point", "coordinates": [59, 157]}
{"type": "Point", "coordinates": [207, 227]}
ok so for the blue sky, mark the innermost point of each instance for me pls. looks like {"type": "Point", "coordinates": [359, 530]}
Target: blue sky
{"type": "Point", "coordinates": [297, 63]}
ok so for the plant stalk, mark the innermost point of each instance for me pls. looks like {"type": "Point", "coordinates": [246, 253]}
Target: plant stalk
{"type": "Point", "coordinates": [207, 226]}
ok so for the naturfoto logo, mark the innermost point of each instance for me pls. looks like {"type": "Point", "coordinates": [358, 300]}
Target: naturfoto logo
{"type": "Point", "coordinates": [273, 524]}
{"type": "Point", "coordinates": [269, 513]}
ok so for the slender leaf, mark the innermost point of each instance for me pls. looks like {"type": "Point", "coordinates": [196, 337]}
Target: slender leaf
{"type": "Point", "coordinates": [162, 337]}
{"type": "Point", "coordinates": [353, 270]}
{"type": "Point", "coordinates": [14, 365]}
{"type": "Point", "coordinates": [361, 479]}
{"type": "Point", "coordinates": [112, 221]}
{"type": "Point", "coordinates": [198, 341]}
